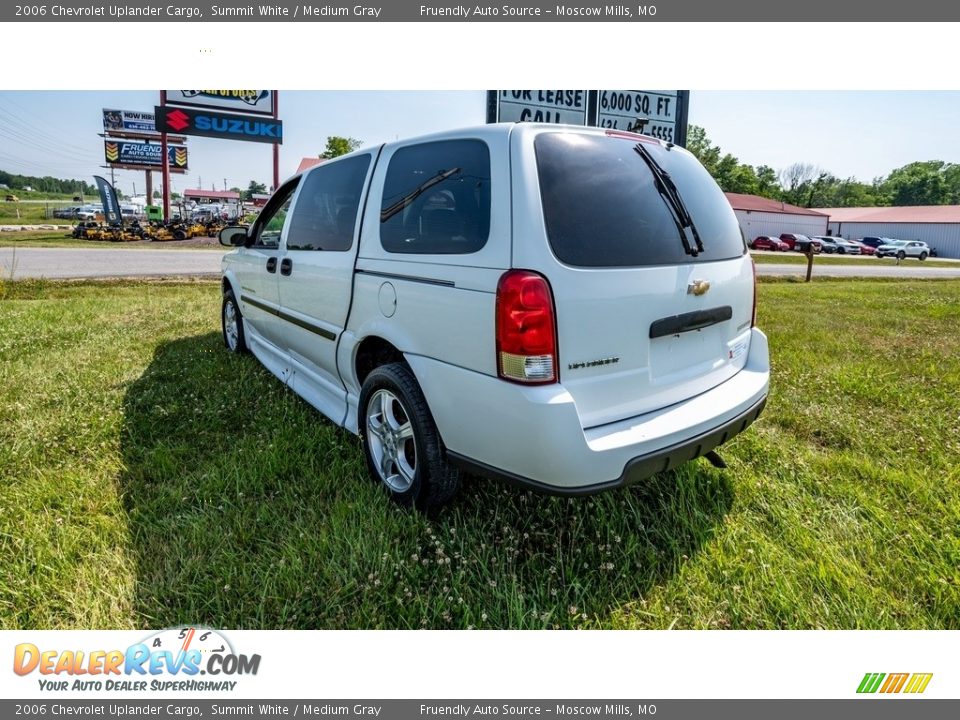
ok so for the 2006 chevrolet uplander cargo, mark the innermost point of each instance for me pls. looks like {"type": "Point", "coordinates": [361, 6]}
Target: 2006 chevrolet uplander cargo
{"type": "Point", "coordinates": [565, 307]}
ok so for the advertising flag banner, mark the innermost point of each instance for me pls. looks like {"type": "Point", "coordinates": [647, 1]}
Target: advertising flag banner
{"type": "Point", "coordinates": [108, 198]}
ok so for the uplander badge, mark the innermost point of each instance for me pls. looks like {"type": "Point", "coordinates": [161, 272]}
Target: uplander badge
{"type": "Point", "coordinates": [698, 287]}
{"type": "Point", "coordinates": [593, 363]}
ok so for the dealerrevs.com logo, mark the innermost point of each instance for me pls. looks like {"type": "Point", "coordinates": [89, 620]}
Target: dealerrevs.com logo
{"type": "Point", "coordinates": [172, 659]}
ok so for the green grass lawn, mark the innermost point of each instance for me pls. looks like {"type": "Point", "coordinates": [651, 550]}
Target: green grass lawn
{"type": "Point", "coordinates": [47, 238]}
{"type": "Point", "coordinates": [148, 479]}
{"type": "Point", "coordinates": [32, 213]}
{"type": "Point", "coordinates": [793, 258]}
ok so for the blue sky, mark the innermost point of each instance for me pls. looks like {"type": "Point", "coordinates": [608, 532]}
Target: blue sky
{"type": "Point", "coordinates": [859, 134]}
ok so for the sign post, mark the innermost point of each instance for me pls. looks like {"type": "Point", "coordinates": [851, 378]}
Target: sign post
{"type": "Point", "coordinates": [276, 146]}
{"type": "Point", "coordinates": [164, 153]}
{"type": "Point", "coordinates": [132, 142]}
{"type": "Point", "coordinates": [250, 115]}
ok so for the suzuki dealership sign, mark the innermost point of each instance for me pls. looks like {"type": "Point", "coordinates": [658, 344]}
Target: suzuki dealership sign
{"type": "Point", "coordinates": [230, 126]}
{"type": "Point", "coordinates": [147, 155]}
{"type": "Point", "coordinates": [659, 113]}
{"type": "Point", "coordinates": [258, 102]}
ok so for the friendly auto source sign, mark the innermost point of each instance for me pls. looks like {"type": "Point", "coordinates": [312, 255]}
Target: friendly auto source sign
{"type": "Point", "coordinates": [207, 123]}
{"type": "Point", "coordinates": [659, 113]}
{"type": "Point", "coordinates": [120, 120]}
{"type": "Point", "coordinates": [141, 153]}
{"type": "Point", "coordinates": [258, 102]}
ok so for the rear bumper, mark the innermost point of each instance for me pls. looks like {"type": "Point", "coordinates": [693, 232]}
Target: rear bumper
{"type": "Point", "coordinates": [533, 435]}
{"type": "Point", "coordinates": [637, 469]}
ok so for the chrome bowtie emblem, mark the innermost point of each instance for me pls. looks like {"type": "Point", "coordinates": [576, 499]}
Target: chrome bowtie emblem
{"type": "Point", "coordinates": [698, 287]}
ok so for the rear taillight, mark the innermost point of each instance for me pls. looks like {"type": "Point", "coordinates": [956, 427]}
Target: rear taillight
{"type": "Point", "coordinates": [753, 316]}
{"type": "Point", "coordinates": [526, 328]}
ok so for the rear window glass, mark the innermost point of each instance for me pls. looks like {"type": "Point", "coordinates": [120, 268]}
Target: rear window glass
{"type": "Point", "coordinates": [436, 198]}
{"type": "Point", "coordinates": [602, 207]}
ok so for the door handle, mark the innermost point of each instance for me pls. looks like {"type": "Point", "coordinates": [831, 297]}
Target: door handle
{"type": "Point", "coordinates": [271, 265]}
{"type": "Point", "coordinates": [286, 266]}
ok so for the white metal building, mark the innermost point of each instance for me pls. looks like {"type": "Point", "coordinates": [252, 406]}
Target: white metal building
{"type": "Point", "coordinates": [936, 225]}
{"type": "Point", "coordinates": [763, 216]}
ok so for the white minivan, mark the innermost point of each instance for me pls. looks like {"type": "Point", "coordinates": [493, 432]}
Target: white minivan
{"type": "Point", "coordinates": [568, 308]}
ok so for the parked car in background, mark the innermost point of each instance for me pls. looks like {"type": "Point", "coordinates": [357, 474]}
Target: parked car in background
{"type": "Point", "coordinates": [65, 213]}
{"type": "Point", "coordinates": [767, 242]}
{"type": "Point", "coordinates": [864, 248]}
{"type": "Point", "coordinates": [88, 212]}
{"type": "Point", "coordinates": [829, 244]}
{"type": "Point", "coordinates": [840, 246]}
{"type": "Point", "coordinates": [390, 289]}
{"type": "Point", "coordinates": [800, 243]}
{"type": "Point", "coordinates": [901, 249]}
{"type": "Point", "coordinates": [874, 242]}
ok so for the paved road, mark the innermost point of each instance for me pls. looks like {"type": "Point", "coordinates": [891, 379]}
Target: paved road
{"type": "Point", "coordinates": [131, 262]}
{"type": "Point", "coordinates": [106, 262]}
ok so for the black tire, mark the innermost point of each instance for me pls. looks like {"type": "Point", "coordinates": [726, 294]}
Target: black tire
{"type": "Point", "coordinates": [901, 255]}
{"type": "Point", "coordinates": [239, 345]}
{"type": "Point", "coordinates": [434, 481]}
{"type": "Point", "coordinates": [179, 235]}
{"type": "Point", "coordinates": [841, 251]}
{"type": "Point", "coordinates": [923, 256]}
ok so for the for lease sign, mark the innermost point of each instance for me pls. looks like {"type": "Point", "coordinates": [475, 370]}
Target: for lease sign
{"type": "Point", "coordinates": [642, 111]}
{"type": "Point", "coordinates": [659, 113]}
{"type": "Point", "coordinates": [550, 106]}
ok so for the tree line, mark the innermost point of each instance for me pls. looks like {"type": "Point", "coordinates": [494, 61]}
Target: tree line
{"type": "Point", "coordinates": [46, 184]}
{"type": "Point", "coordinates": [931, 182]}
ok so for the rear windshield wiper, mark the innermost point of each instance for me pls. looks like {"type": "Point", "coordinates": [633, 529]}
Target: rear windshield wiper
{"type": "Point", "coordinates": [391, 210]}
{"type": "Point", "coordinates": [668, 190]}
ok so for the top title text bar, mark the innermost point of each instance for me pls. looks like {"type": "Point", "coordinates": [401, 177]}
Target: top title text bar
{"type": "Point", "coordinates": [526, 11]}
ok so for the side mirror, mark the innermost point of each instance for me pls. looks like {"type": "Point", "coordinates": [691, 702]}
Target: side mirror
{"type": "Point", "coordinates": [233, 236]}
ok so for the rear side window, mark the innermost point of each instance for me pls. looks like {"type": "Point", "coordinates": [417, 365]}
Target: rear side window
{"type": "Point", "coordinates": [436, 198]}
{"type": "Point", "coordinates": [602, 207]}
{"type": "Point", "coordinates": [327, 207]}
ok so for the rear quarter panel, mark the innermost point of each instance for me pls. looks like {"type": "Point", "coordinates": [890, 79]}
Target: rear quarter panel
{"type": "Point", "coordinates": [445, 304]}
